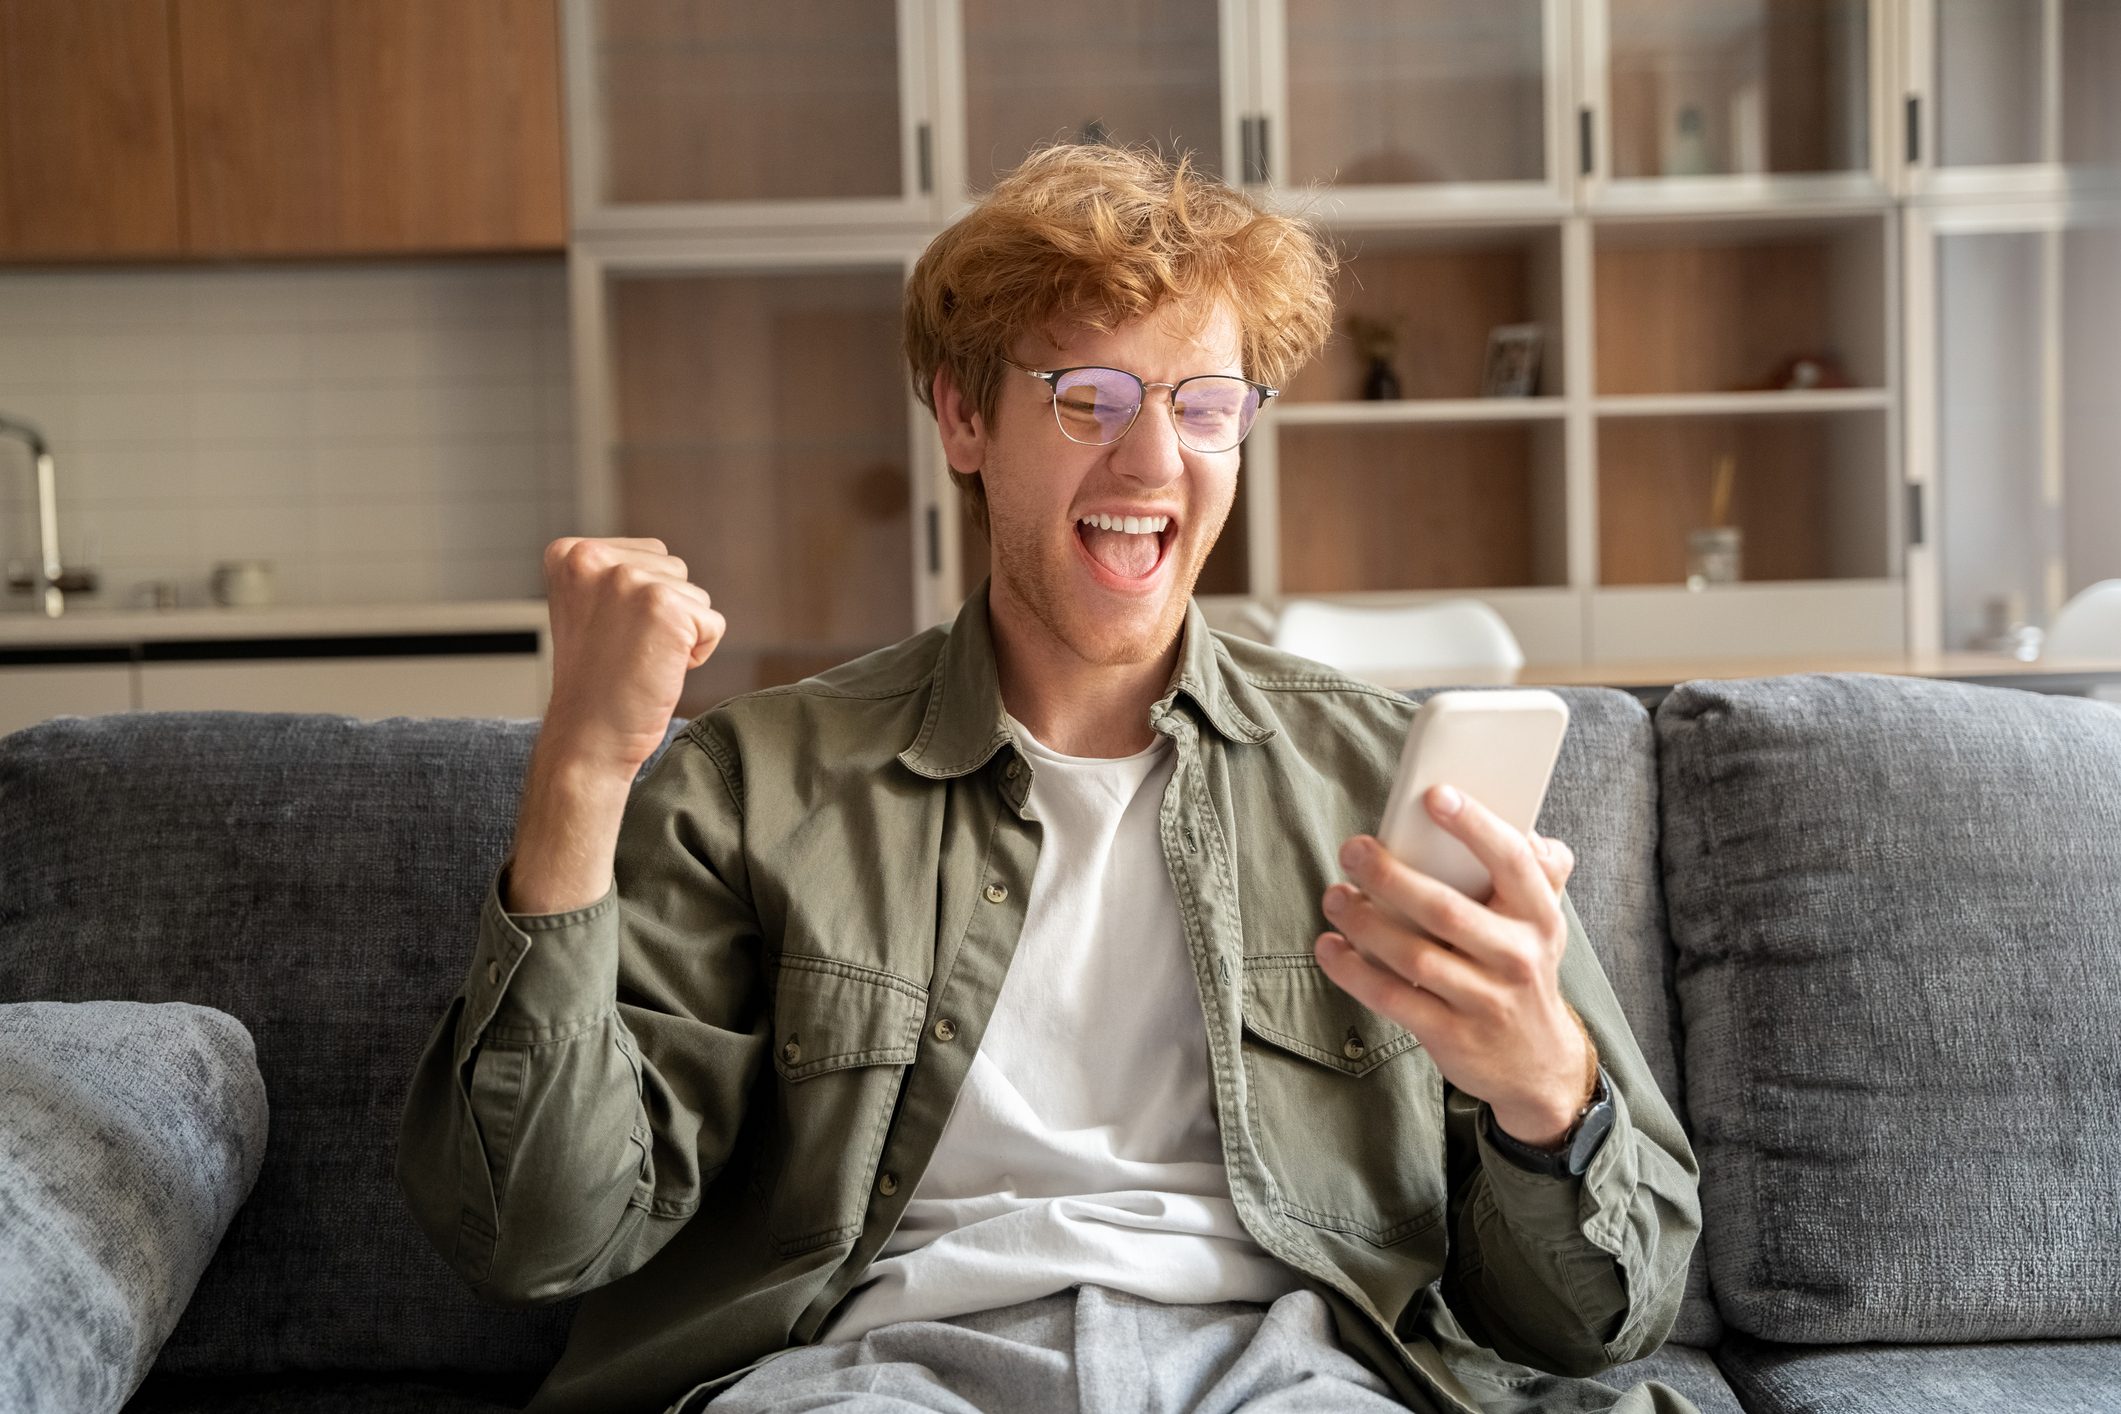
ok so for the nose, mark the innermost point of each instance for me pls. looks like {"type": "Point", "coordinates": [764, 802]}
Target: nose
{"type": "Point", "coordinates": [1151, 453]}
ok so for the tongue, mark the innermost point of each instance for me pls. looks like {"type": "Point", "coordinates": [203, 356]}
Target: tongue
{"type": "Point", "coordinates": [1123, 554]}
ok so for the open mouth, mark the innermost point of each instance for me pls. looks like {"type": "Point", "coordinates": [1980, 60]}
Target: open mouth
{"type": "Point", "coordinates": [1127, 552]}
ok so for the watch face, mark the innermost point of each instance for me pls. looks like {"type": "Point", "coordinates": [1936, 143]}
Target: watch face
{"type": "Point", "coordinates": [1590, 1134]}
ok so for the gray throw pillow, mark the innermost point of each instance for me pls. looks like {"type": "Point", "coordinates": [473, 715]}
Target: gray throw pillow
{"type": "Point", "coordinates": [130, 1132]}
{"type": "Point", "coordinates": [1896, 908]}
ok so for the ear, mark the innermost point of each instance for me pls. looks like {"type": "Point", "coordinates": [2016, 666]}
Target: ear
{"type": "Point", "coordinates": [963, 430]}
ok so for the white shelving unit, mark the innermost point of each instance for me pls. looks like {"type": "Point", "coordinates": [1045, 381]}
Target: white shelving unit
{"type": "Point", "coordinates": [2012, 252]}
{"type": "Point", "coordinates": [1684, 194]}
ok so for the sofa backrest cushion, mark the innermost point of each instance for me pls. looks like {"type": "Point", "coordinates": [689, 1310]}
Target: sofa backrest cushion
{"type": "Point", "coordinates": [1603, 805]}
{"type": "Point", "coordinates": [1897, 909]}
{"type": "Point", "coordinates": [318, 878]}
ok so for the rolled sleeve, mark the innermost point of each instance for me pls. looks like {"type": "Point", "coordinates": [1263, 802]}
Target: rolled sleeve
{"type": "Point", "coordinates": [536, 976]}
{"type": "Point", "coordinates": [1575, 1274]}
{"type": "Point", "coordinates": [588, 1081]}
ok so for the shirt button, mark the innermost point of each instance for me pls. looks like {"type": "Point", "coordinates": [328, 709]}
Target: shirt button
{"type": "Point", "coordinates": [945, 1029]}
{"type": "Point", "coordinates": [1014, 767]}
{"type": "Point", "coordinates": [1354, 1047]}
{"type": "Point", "coordinates": [887, 1185]}
{"type": "Point", "coordinates": [792, 1052]}
{"type": "Point", "coordinates": [493, 973]}
{"type": "Point", "coordinates": [996, 893]}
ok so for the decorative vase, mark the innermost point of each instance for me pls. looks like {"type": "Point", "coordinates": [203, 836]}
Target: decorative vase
{"type": "Point", "coordinates": [1380, 383]}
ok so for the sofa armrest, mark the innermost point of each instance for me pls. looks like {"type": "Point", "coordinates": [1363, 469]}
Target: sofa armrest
{"type": "Point", "coordinates": [130, 1133]}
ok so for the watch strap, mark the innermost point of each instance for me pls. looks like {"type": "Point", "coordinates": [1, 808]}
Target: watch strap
{"type": "Point", "coordinates": [1573, 1154]}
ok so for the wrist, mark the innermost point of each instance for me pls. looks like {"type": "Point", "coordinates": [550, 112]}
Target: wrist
{"type": "Point", "coordinates": [567, 828]}
{"type": "Point", "coordinates": [1536, 1128]}
{"type": "Point", "coordinates": [1546, 1121]}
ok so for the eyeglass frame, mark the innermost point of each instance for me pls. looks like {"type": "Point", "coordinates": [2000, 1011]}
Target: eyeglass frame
{"type": "Point", "coordinates": [1050, 377]}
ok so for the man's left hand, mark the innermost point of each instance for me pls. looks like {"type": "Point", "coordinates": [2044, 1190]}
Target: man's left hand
{"type": "Point", "coordinates": [1476, 981]}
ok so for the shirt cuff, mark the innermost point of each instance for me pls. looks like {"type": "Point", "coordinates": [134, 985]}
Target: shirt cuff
{"type": "Point", "coordinates": [1559, 1208]}
{"type": "Point", "coordinates": [540, 976]}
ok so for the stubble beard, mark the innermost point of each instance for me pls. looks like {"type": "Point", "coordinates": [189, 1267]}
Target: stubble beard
{"type": "Point", "coordinates": [1039, 585]}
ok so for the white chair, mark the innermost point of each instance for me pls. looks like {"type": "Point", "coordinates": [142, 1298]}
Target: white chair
{"type": "Point", "coordinates": [2089, 625]}
{"type": "Point", "coordinates": [1449, 642]}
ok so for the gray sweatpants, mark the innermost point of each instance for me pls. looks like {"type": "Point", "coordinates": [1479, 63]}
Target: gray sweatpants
{"type": "Point", "coordinates": [1088, 1350]}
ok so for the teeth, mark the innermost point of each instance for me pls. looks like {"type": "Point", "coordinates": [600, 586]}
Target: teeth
{"type": "Point", "coordinates": [1131, 525]}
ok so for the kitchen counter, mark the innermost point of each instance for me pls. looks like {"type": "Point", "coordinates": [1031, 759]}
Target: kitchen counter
{"type": "Point", "coordinates": [95, 624]}
{"type": "Point", "coordinates": [490, 658]}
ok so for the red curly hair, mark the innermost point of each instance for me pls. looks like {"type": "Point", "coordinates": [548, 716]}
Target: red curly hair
{"type": "Point", "coordinates": [1094, 236]}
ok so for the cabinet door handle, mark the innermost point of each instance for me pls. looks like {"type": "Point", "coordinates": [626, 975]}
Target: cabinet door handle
{"type": "Point", "coordinates": [935, 541]}
{"type": "Point", "coordinates": [920, 145]}
{"type": "Point", "coordinates": [1914, 128]}
{"type": "Point", "coordinates": [1914, 512]}
{"type": "Point", "coordinates": [1584, 144]}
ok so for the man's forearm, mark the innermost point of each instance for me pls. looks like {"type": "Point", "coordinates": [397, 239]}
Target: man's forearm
{"type": "Point", "coordinates": [567, 832]}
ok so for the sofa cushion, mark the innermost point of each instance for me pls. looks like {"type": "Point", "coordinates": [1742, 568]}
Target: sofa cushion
{"type": "Point", "coordinates": [2051, 1376]}
{"type": "Point", "coordinates": [318, 877]}
{"type": "Point", "coordinates": [129, 1136]}
{"type": "Point", "coordinates": [1690, 1371]}
{"type": "Point", "coordinates": [1603, 805]}
{"type": "Point", "coordinates": [1899, 953]}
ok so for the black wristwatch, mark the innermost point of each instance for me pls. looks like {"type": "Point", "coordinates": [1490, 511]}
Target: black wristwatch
{"type": "Point", "coordinates": [1593, 1122]}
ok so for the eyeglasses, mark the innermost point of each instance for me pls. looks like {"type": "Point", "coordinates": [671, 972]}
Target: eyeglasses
{"type": "Point", "coordinates": [1096, 406]}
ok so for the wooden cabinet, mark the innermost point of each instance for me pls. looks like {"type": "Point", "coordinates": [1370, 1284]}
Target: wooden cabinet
{"type": "Point", "coordinates": [88, 130]}
{"type": "Point", "coordinates": [167, 128]}
{"type": "Point", "coordinates": [370, 126]}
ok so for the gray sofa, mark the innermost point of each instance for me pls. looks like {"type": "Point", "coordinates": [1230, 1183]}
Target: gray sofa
{"type": "Point", "coordinates": [1868, 930]}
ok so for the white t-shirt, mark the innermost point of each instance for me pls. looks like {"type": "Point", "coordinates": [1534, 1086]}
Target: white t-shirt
{"type": "Point", "coordinates": [1083, 1146]}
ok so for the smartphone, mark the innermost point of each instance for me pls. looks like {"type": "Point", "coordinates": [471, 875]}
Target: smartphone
{"type": "Point", "coordinates": [1499, 747]}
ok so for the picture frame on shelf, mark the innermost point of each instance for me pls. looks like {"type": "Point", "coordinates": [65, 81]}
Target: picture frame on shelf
{"type": "Point", "coordinates": [1513, 361]}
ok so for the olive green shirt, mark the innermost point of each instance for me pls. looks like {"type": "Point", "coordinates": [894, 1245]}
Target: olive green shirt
{"type": "Point", "coordinates": [705, 1098]}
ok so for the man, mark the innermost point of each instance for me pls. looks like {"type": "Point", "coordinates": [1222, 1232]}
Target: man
{"type": "Point", "coordinates": [1019, 1017]}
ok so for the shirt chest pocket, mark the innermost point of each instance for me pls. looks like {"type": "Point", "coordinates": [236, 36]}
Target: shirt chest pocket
{"type": "Point", "coordinates": [842, 1038]}
{"type": "Point", "coordinates": [1348, 1105]}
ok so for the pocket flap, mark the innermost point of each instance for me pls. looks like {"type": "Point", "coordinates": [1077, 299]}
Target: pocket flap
{"type": "Point", "coordinates": [1291, 1003]}
{"type": "Point", "coordinates": [830, 1015]}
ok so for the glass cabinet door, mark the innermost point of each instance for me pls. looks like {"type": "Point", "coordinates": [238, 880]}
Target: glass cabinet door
{"type": "Point", "coordinates": [1123, 71]}
{"type": "Point", "coordinates": [1743, 96]}
{"type": "Point", "coordinates": [703, 112]}
{"type": "Point", "coordinates": [757, 423]}
{"type": "Point", "coordinates": [2025, 437]}
{"type": "Point", "coordinates": [1401, 104]}
{"type": "Point", "coordinates": [2016, 95]}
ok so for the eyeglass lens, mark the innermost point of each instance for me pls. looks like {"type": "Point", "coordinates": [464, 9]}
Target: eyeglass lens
{"type": "Point", "coordinates": [1097, 405]}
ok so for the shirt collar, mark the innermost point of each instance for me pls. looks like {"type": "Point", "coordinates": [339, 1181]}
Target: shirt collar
{"type": "Point", "coordinates": [963, 726]}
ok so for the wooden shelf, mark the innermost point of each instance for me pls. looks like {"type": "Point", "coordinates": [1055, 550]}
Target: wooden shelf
{"type": "Point", "coordinates": [1420, 506]}
{"type": "Point", "coordinates": [1712, 307]}
{"type": "Point", "coordinates": [1442, 291]}
{"type": "Point", "coordinates": [1809, 491]}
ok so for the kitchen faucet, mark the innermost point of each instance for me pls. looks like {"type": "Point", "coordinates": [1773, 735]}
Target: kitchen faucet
{"type": "Point", "coordinates": [50, 582]}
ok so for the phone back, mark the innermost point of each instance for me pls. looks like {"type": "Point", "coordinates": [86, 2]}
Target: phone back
{"type": "Point", "coordinates": [1498, 748]}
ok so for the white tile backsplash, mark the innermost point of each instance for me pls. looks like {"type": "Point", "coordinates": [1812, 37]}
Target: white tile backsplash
{"type": "Point", "coordinates": [382, 433]}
